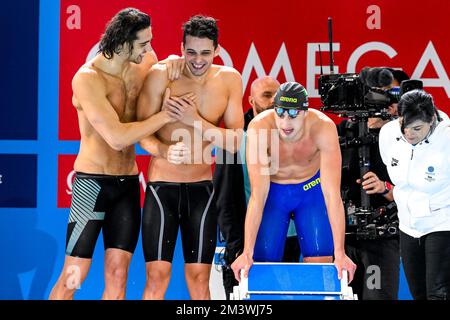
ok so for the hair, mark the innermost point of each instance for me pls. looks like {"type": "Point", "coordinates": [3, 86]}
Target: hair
{"type": "Point", "coordinates": [417, 105]}
{"type": "Point", "coordinates": [122, 29]}
{"type": "Point", "coordinates": [201, 27]}
{"type": "Point", "coordinates": [399, 75]}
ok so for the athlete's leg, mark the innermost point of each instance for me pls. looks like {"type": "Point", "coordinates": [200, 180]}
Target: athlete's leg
{"type": "Point", "coordinates": [85, 221]}
{"type": "Point", "coordinates": [160, 223]}
{"type": "Point", "coordinates": [117, 262]}
{"type": "Point", "coordinates": [313, 227]}
{"type": "Point", "coordinates": [197, 280]}
{"type": "Point", "coordinates": [271, 238]}
{"type": "Point", "coordinates": [72, 276]}
{"type": "Point", "coordinates": [199, 234]}
{"type": "Point", "coordinates": [158, 277]}
{"type": "Point", "coordinates": [120, 234]}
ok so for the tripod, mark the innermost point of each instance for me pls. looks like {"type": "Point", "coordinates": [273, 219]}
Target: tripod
{"type": "Point", "coordinates": [364, 221]}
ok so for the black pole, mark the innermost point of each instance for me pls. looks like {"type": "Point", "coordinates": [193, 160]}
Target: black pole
{"type": "Point", "coordinates": [364, 160]}
{"type": "Point", "coordinates": [330, 39]}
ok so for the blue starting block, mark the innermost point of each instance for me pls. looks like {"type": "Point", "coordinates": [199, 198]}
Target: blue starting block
{"type": "Point", "coordinates": [293, 281]}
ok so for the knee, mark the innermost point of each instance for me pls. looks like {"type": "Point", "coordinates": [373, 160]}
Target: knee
{"type": "Point", "coordinates": [159, 275]}
{"type": "Point", "coordinates": [198, 277]}
{"type": "Point", "coordinates": [65, 288]}
{"type": "Point", "coordinates": [117, 274]}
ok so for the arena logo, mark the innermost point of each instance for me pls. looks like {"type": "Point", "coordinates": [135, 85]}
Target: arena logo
{"type": "Point", "coordinates": [312, 184]}
{"type": "Point", "coordinates": [287, 99]}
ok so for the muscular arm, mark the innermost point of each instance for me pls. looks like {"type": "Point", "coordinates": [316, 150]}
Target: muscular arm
{"type": "Point", "coordinates": [233, 117]}
{"type": "Point", "coordinates": [149, 103]}
{"type": "Point", "coordinates": [90, 92]}
{"type": "Point", "coordinates": [330, 176]}
{"type": "Point", "coordinates": [260, 184]}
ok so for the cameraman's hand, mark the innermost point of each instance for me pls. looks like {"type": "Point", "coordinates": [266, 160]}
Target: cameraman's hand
{"type": "Point", "coordinates": [372, 184]}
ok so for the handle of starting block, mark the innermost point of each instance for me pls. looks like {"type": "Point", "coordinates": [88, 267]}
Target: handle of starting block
{"type": "Point", "coordinates": [240, 292]}
{"type": "Point", "coordinates": [346, 290]}
{"type": "Point", "coordinates": [243, 287]}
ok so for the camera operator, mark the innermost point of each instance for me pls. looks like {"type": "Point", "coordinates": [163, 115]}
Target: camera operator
{"type": "Point", "coordinates": [415, 150]}
{"type": "Point", "coordinates": [369, 252]}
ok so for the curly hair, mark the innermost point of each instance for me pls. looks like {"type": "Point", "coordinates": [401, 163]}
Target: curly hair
{"type": "Point", "coordinates": [122, 29]}
{"type": "Point", "coordinates": [201, 27]}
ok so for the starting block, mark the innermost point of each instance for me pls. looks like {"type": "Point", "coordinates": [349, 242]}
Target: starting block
{"type": "Point", "coordinates": [293, 281]}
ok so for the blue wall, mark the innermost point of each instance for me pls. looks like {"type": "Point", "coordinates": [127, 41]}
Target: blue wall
{"type": "Point", "coordinates": [32, 228]}
{"type": "Point", "coordinates": [19, 34]}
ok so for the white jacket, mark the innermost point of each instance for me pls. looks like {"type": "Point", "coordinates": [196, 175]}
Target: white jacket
{"type": "Point", "coordinates": [421, 175]}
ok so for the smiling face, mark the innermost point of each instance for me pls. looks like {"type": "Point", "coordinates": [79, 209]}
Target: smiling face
{"type": "Point", "coordinates": [141, 45]}
{"type": "Point", "coordinates": [416, 131]}
{"type": "Point", "coordinates": [199, 54]}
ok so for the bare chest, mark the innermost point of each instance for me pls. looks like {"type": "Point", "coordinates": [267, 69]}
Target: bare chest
{"type": "Point", "coordinates": [123, 94]}
{"type": "Point", "coordinates": [211, 97]}
{"type": "Point", "coordinates": [301, 153]}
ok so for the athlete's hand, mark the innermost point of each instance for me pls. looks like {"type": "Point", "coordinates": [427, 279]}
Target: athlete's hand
{"type": "Point", "coordinates": [186, 107]}
{"type": "Point", "coordinates": [171, 115]}
{"type": "Point", "coordinates": [175, 65]}
{"type": "Point", "coordinates": [342, 262]}
{"type": "Point", "coordinates": [175, 114]}
{"type": "Point", "coordinates": [372, 184]}
{"type": "Point", "coordinates": [243, 262]}
{"type": "Point", "coordinates": [178, 153]}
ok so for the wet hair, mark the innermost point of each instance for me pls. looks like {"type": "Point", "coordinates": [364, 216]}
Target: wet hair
{"type": "Point", "coordinates": [201, 27]}
{"type": "Point", "coordinates": [122, 29]}
{"type": "Point", "coordinates": [417, 105]}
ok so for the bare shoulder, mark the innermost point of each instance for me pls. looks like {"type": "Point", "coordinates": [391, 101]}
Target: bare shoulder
{"type": "Point", "coordinates": [158, 74]}
{"type": "Point", "coordinates": [159, 70]}
{"type": "Point", "coordinates": [264, 120]}
{"type": "Point", "coordinates": [87, 77]}
{"type": "Point", "coordinates": [322, 128]}
{"type": "Point", "coordinates": [227, 73]}
{"type": "Point", "coordinates": [319, 120]}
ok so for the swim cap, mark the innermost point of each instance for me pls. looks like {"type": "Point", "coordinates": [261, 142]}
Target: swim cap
{"type": "Point", "coordinates": [291, 95]}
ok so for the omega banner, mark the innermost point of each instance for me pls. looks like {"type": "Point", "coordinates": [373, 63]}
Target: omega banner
{"type": "Point", "coordinates": [275, 38]}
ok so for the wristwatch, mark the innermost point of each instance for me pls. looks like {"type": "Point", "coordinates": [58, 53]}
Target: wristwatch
{"type": "Point", "coordinates": [388, 187]}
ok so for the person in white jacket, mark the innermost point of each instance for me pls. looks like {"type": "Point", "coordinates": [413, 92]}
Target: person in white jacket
{"type": "Point", "coordinates": [416, 151]}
